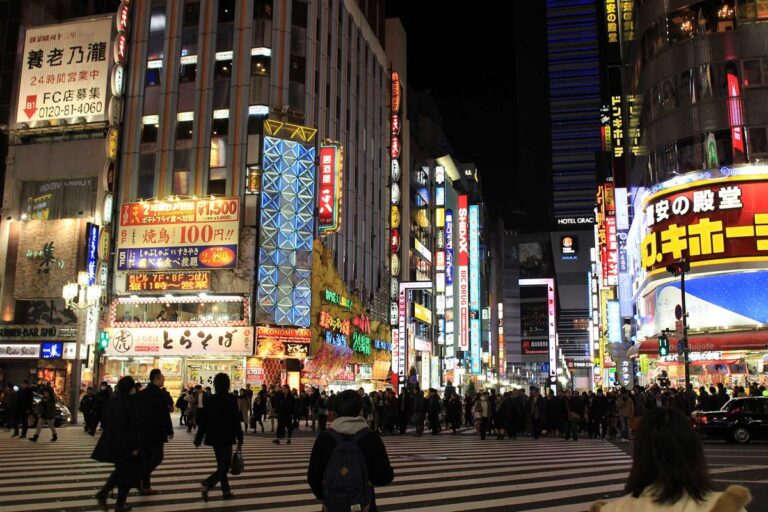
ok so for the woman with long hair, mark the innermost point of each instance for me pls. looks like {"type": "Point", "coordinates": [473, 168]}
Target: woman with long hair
{"type": "Point", "coordinates": [119, 444]}
{"type": "Point", "coordinates": [669, 471]}
{"type": "Point", "coordinates": [219, 427]}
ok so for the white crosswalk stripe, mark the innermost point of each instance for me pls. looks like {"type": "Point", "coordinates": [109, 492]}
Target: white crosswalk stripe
{"type": "Point", "coordinates": [447, 473]}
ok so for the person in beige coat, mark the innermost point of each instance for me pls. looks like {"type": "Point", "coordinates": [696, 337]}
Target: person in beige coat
{"type": "Point", "coordinates": [244, 406]}
{"type": "Point", "coordinates": [669, 472]}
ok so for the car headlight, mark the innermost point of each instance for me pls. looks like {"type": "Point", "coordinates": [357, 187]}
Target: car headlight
{"type": "Point", "coordinates": [64, 410]}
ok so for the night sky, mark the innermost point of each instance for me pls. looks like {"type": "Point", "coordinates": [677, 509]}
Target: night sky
{"type": "Point", "coordinates": [485, 67]}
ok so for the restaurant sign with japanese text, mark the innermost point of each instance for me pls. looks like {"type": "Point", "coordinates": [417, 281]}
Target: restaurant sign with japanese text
{"type": "Point", "coordinates": [179, 235]}
{"type": "Point", "coordinates": [707, 223]}
{"type": "Point", "coordinates": [181, 341]}
{"type": "Point", "coordinates": [168, 281]}
{"type": "Point", "coordinates": [65, 72]}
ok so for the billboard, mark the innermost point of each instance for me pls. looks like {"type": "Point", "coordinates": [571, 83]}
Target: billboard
{"type": "Point", "coordinates": [329, 188]}
{"type": "Point", "coordinates": [180, 341]}
{"type": "Point", "coordinates": [474, 257]}
{"type": "Point", "coordinates": [474, 343]}
{"type": "Point", "coordinates": [709, 222]}
{"type": "Point", "coordinates": [65, 72]}
{"type": "Point", "coordinates": [287, 228]}
{"type": "Point", "coordinates": [449, 248]}
{"type": "Point", "coordinates": [178, 235]}
{"type": "Point", "coordinates": [463, 257]}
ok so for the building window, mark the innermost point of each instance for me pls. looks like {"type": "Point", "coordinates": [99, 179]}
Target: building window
{"type": "Point", "coordinates": [260, 70]}
{"type": "Point", "coordinates": [758, 143]}
{"type": "Point", "coordinates": [145, 187]}
{"type": "Point", "coordinates": [181, 157]}
{"type": "Point", "coordinates": [156, 33]}
{"type": "Point", "coordinates": [221, 82]}
{"type": "Point", "coordinates": [217, 179]}
{"type": "Point", "coordinates": [262, 23]}
{"type": "Point", "coordinates": [225, 28]}
{"type": "Point", "coordinates": [190, 31]}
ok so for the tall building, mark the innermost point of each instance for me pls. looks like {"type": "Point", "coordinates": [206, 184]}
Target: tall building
{"type": "Point", "coordinates": [695, 89]}
{"type": "Point", "coordinates": [573, 55]}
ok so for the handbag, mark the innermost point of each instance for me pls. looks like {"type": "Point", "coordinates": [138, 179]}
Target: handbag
{"type": "Point", "coordinates": [238, 464]}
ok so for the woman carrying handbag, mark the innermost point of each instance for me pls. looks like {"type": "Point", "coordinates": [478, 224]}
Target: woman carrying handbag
{"type": "Point", "coordinates": [219, 427]}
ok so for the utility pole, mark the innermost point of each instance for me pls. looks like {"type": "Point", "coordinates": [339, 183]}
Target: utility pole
{"type": "Point", "coordinates": [679, 269]}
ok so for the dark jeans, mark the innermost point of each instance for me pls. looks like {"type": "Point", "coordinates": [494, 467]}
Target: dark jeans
{"type": "Point", "coordinates": [322, 420]}
{"type": "Point", "coordinates": [434, 423]}
{"type": "Point", "coordinates": [511, 427]}
{"type": "Point", "coordinates": [483, 427]}
{"type": "Point", "coordinates": [124, 477]}
{"type": "Point", "coordinates": [572, 429]}
{"type": "Point", "coordinates": [151, 457]}
{"type": "Point", "coordinates": [223, 461]}
{"type": "Point", "coordinates": [418, 418]}
{"type": "Point", "coordinates": [284, 424]}
{"type": "Point", "coordinates": [20, 419]}
{"type": "Point", "coordinates": [536, 427]}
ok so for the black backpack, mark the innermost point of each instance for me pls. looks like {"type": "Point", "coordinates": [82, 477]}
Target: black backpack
{"type": "Point", "coordinates": [346, 487]}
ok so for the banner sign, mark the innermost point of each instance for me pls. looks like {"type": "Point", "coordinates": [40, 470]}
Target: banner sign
{"type": "Point", "coordinates": [329, 188]}
{"type": "Point", "coordinates": [180, 235]}
{"type": "Point", "coordinates": [463, 257]}
{"type": "Point", "coordinates": [168, 281]}
{"type": "Point", "coordinates": [181, 341]}
{"type": "Point", "coordinates": [65, 72]}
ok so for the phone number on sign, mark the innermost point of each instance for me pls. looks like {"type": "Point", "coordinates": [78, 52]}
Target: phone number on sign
{"type": "Point", "coordinates": [95, 107]}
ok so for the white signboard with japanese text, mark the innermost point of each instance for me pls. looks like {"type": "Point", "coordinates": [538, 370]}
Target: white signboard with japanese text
{"type": "Point", "coordinates": [27, 351]}
{"type": "Point", "coordinates": [65, 72]}
{"type": "Point", "coordinates": [181, 341]}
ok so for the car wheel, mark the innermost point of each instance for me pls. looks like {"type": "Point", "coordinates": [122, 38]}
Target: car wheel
{"type": "Point", "coordinates": [740, 435]}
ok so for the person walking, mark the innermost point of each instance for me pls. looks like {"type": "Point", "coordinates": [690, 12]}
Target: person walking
{"type": "Point", "coordinates": [258, 413]}
{"type": "Point", "coordinates": [419, 409]}
{"type": "Point", "coordinates": [575, 413]}
{"type": "Point", "coordinates": [156, 428]}
{"type": "Point", "coordinates": [87, 406]}
{"type": "Point", "coordinates": [46, 412]}
{"type": "Point", "coordinates": [182, 404]}
{"type": "Point", "coordinates": [367, 456]}
{"type": "Point", "coordinates": [538, 412]}
{"type": "Point", "coordinates": [323, 404]}
{"type": "Point", "coordinates": [244, 406]}
{"type": "Point", "coordinates": [24, 404]}
{"type": "Point", "coordinates": [102, 397]}
{"type": "Point", "coordinates": [669, 471]}
{"type": "Point", "coordinates": [434, 411]}
{"type": "Point", "coordinates": [453, 412]}
{"type": "Point", "coordinates": [283, 403]}
{"type": "Point", "coordinates": [119, 444]}
{"type": "Point", "coordinates": [482, 412]}
{"type": "Point", "coordinates": [625, 409]}
{"type": "Point", "coordinates": [11, 398]}
{"type": "Point", "coordinates": [220, 428]}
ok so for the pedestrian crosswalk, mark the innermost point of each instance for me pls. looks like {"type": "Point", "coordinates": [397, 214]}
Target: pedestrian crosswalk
{"type": "Point", "coordinates": [447, 473]}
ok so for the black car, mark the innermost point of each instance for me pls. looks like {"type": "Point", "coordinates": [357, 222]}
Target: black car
{"type": "Point", "coordinates": [739, 420]}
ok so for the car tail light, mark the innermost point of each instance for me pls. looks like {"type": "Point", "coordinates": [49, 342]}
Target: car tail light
{"type": "Point", "coordinates": [703, 419]}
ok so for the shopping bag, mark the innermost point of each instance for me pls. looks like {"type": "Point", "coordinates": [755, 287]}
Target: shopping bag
{"type": "Point", "coordinates": [237, 465]}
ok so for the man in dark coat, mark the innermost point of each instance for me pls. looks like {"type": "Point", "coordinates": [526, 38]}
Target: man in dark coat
{"type": "Point", "coordinates": [419, 409]}
{"type": "Point", "coordinates": [349, 422]}
{"type": "Point", "coordinates": [24, 403]}
{"type": "Point", "coordinates": [155, 426]}
{"type": "Point", "coordinates": [283, 405]}
{"type": "Point", "coordinates": [433, 409]}
{"type": "Point", "coordinates": [119, 444]}
{"type": "Point", "coordinates": [102, 396]}
{"type": "Point", "coordinates": [87, 404]}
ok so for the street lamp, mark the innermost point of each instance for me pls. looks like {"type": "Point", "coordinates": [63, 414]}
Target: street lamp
{"type": "Point", "coordinates": [679, 269]}
{"type": "Point", "coordinates": [79, 297]}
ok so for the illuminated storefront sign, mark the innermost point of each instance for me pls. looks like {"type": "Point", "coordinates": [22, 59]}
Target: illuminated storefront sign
{"type": "Point", "coordinates": [91, 250]}
{"type": "Point", "coordinates": [449, 248]}
{"type": "Point", "coordinates": [282, 342]}
{"type": "Point", "coordinates": [735, 117]}
{"type": "Point", "coordinates": [27, 351]}
{"type": "Point", "coordinates": [334, 324]}
{"type": "Point", "coordinates": [463, 257]}
{"type": "Point", "coordinates": [336, 298]}
{"type": "Point", "coordinates": [178, 341]}
{"type": "Point", "coordinates": [475, 344]}
{"type": "Point", "coordinates": [612, 21]}
{"type": "Point", "coordinates": [361, 343]}
{"type": "Point", "coordinates": [722, 220]}
{"type": "Point", "coordinates": [188, 234]}
{"type": "Point", "coordinates": [329, 188]}
{"type": "Point", "coordinates": [614, 321]}
{"type": "Point", "coordinates": [474, 257]}
{"type": "Point", "coordinates": [502, 347]}
{"type": "Point", "coordinates": [422, 313]}
{"type": "Point", "coordinates": [550, 345]}
{"type": "Point", "coordinates": [168, 281]}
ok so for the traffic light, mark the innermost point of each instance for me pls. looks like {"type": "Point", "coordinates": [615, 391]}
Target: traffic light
{"type": "Point", "coordinates": [103, 341]}
{"type": "Point", "coordinates": [663, 345]}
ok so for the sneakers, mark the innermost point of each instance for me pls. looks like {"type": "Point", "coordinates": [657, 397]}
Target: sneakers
{"type": "Point", "coordinates": [33, 438]}
{"type": "Point", "coordinates": [54, 438]}
{"type": "Point", "coordinates": [228, 496]}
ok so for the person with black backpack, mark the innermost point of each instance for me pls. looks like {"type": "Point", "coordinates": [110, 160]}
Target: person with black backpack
{"type": "Point", "coordinates": [348, 460]}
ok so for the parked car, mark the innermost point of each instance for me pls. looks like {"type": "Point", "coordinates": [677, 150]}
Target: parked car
{"type": "Point", "coordinates": [62, 413]}
{"type": "Point", "coordinates": [739, 420]}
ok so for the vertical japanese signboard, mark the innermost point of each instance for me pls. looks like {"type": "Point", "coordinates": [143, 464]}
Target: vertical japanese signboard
{"type": "Point", "coordinates": [394, 178]}
{"type": "Point", "coordinates": [463, 257]}
{"type": "Point", "coordinates": [91, 250]}
{"type": "Point", "coordinates": [65, 72]}
{"type": "Point", "coordinates": [474, 287]}
{"type": "Point", "coordinates": [329, 188]}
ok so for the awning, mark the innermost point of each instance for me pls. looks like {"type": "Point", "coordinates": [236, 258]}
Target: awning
{"type": "Point", "coordinates": [749, 340]}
